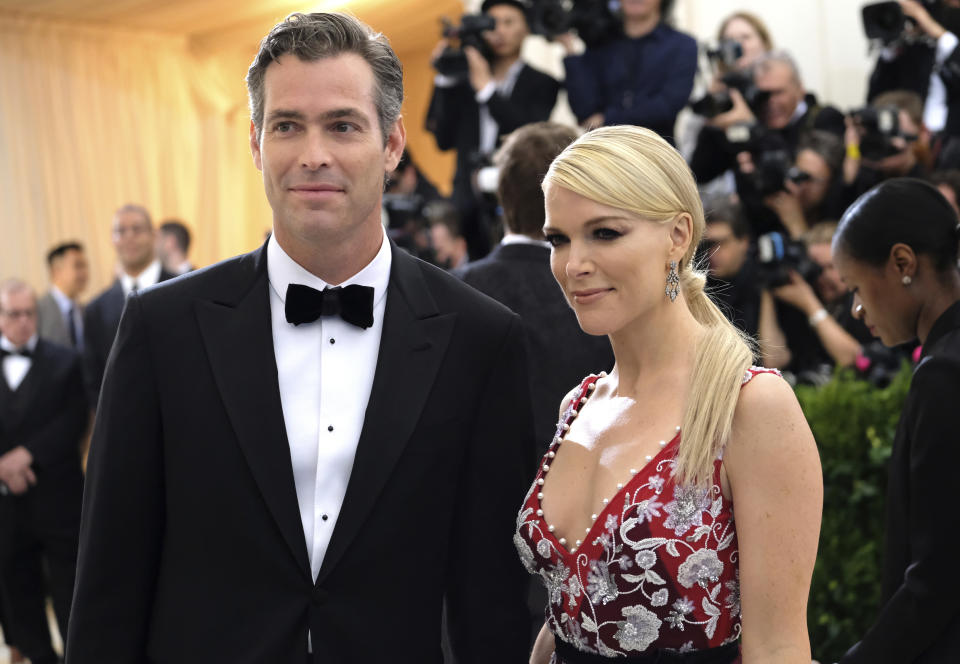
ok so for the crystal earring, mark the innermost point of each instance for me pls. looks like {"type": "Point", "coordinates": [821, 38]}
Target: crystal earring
{"type": "Point", "coordinates": [906, 280]}
{"type": "Point", "coordinates": [673, 282]}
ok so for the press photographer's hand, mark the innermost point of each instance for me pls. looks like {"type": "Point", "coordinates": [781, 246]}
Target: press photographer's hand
{"type": "Point", "coordinates": [925, 22]}
{"type": "Point", "coordinates": [480, 74]}
{"type": "Point", "coordinates": [739, 114]}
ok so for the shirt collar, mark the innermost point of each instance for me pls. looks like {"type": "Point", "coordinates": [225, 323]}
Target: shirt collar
{"type": "Point", "coordinates": [149, 277]}
{"type": "Point", "coordinates": [516, 238]}
{"type": "Point", "coordinates": [948, 320]}
{"type": "Point", "coordinates": [800, 111]}
{"type": "Point", "coordinates": [64, 302]}
{"type": "Point", "coordinates": [283, 271]}
{"type": "Point", "coordinates": [7, 345]}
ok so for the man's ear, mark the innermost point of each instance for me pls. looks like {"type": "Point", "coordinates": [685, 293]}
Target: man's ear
{"type": "Point", "coordinates": [255, 147]}
{"type": "Point", "coordinates": [396, 141]}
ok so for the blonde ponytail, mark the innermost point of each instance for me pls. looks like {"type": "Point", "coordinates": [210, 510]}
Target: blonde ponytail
{"type": "Point", "coordinates": [633, 169]}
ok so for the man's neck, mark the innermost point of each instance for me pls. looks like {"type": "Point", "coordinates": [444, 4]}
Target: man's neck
{"type": "Point", "coordinates": [134, 271]}
{"type": "Point", "coordinates": [65, 292]}
{"type": "Point", "coordinates": [336, 260]}
{"type": "Point", "coordinates": [641, 26]}
{"type": "Point", "coordinates": [501, 66]}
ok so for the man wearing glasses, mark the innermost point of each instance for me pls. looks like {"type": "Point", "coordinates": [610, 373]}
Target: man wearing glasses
{"type": "Point", "coordinates": [138, 266]}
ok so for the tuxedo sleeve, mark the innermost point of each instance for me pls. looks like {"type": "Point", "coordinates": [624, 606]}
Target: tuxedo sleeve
{"type": "Point", "coordinates": [93, 358]}
{"type": "Point", "coordinates": [123, 508]}
{"type": "Point", "coordinates": [486, 597]}
{"type": "Point", "coordinates": [445, 112]}
{"type": "Point", "coordinates": [59, 438]}
{"type": "Point", "coordinates": [925, 603]}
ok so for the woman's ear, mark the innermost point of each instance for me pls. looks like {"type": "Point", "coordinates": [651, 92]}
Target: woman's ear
{"type": "Point", "coordinates": [903, 260]}
{"type": "Point", "coordinates": [681, 235]}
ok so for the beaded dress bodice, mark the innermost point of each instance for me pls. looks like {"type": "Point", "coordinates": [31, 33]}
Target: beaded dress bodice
{"type": "Point", "coordinates": [656, 570]}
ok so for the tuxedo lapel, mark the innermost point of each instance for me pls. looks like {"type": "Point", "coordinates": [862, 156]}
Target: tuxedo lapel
{"type": "Point", "coordinates": [19, 400]}
{"type": "Point", "coordinates": [414, 340]}
{"type": "Point", "coordinates": [239, 340]}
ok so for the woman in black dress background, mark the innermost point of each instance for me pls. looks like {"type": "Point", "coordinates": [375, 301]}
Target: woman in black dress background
{"type": "Point", "coordinates": [896, 249]}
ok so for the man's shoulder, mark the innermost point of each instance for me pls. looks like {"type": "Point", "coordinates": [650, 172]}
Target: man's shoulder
{"type": "Point", "coordinates": [57, 354]}
{"type": "Point", "coordinates": [107, 294]}
{"type": "Point", "coordinates": [224, 281]}
{"type": "Point", "coordinates": [532, 75]}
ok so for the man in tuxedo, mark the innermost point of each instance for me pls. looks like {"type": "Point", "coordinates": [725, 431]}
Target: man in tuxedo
{"type": "Point", "coordinates": [42, 417]}
{"type": "Point", "coordinates": [471, 113]}
{"type": "Point", "coordinates": [59, 313]}
{"type": "Point", "coordinates": [173, 247]}
{"type": "Point", "coordinates": [351, 447]}
{"type": "Point", "coordinates": [134, 240]}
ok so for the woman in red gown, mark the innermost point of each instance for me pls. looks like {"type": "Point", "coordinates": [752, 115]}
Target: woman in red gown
{"type": "Point", "coordinates": [630, 520]}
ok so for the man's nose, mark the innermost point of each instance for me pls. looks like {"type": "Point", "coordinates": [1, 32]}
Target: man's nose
{"type": "Point", "coordinates": [316, 151]}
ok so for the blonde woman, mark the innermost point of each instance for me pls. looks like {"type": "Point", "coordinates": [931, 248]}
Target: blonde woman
{"type": "Point", "coordinates": [629, 522]}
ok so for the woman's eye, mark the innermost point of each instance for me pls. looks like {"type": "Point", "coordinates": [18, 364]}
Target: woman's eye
{"type": "Point", "coordinates": [606, 234]}
{"type": "Point", "coordinates": [555, 239]}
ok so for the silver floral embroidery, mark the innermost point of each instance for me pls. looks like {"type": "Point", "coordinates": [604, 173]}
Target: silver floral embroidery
{"type": "Point", "coordinates": [733, 598]}
{"type": "Point", "coordinates": [656, 483]}
{"type": "Point", "coordinates": [543, 548]}
{"type": "Point", "coordinates": [600, 584]}
{"type": "Point", "coordinates": [646, 558]}
{"type": "Point", "coordinates": [639, 630]}
{"type": "Point", "coordinates": [554, 580]}
{"type": "Point", "coordinates": [686, 647]}
{"type": "Point", "coordinates": [686, 509]}
{"type": "Point", "coordinates": [611, 523]}
{"type": "Point", "coordinates": [526, 555]}
{"type": "Point", "coordinates": [573, 590]}
{"type": "Point", "coordinates": [680, 609]}
{"type": "Point", "coordinates": [659, 598]}
{"type": "Point", "coordinates": [701, 567]}
{"type": "Point", "coordinates": [647, 510]}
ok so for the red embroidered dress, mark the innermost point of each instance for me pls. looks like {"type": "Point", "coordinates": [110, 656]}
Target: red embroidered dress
{"type": "Point", "coordinates": [657, 570]}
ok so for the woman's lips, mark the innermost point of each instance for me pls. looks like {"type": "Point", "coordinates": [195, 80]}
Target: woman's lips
{"type": "Point", "coordinates": [590, 295]}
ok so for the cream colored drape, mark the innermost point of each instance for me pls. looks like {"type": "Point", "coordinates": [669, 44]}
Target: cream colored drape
{"type": "Point", "coordinates": [95, 116]}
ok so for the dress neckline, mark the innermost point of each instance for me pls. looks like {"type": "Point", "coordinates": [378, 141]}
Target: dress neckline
{"type": "Point", "coordinates": [587, 389]}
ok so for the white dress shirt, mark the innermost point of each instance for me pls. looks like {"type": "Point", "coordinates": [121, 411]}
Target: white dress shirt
{"type": "Point", "coordinates": [15, 367]}
{"type": "Point", "coordinates": [325, 370]}
{"type": "Point", "coordinates": [69, 309]}
{"type": "Point", "coordinates": [489, 130]}
{"type": "Point", "coordinates": [149, 277]}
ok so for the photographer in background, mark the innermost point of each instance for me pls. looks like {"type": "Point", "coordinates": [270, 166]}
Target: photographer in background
{"type": "Point", "coordinates": [917, 60]}
{"type": "Point", "coordinates": [733, 281]}
{"type": "Point", "coordinates": [948, 183]}
{"type": "Point", "coordinates": [879, 147]}
{"type": "Point", "coordinates": [813, 187]}
{"type": "Point", "coordinates": [497, 94]}
{"type": "Point", "coordinates": [644, 77]}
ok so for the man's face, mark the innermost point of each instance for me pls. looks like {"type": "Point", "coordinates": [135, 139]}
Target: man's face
{"type": "Point", "coordinates": [635, 9]}
{"type": "Point", "coordinates": [133, 238]}
{"type": "Point", "coordinates": [507, 39]}
{"type": "Point", "coordinates": [811, 191]}
{"type": "Point", "coordinates": [450, 251]}
{"type": "Point", "coordinates": [70, 273]}
{"type": "Point", "coordinates": [829, 285]}
{"type": "Point", "coordinates": [727, 253]}
{"type": "Point", "coordinates": [321, 151]}
{"type": "Point", "coordinates": [18, 316]}
{"type": "Point", "coordinates": [785, 91]}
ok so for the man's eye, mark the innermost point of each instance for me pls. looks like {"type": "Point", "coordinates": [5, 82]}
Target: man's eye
{"type": "Point", "coordinates": [283, 127]}
{"type": "Point", "coordinates": [555, 239]}
{"type": "Point", "coordinates": [343, 127]}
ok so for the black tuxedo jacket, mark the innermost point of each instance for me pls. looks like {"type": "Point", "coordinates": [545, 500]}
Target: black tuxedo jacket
{"type": "Point", "coordinates": [47, 414]}
{"type": "Point", "coordinates": [454, 116]}
{"type": "Point", "coordinates": [920, 619]}
{"type": "Point", "coordinates": [559, 353]}
{"type": "Point", "coordinates": [101, 319]}
{"type": "Point", "coordinates": [191, 545]}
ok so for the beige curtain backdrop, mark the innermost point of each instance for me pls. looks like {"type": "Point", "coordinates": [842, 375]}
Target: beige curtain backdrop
{"type": "Point", "coordinates": [93, 116]}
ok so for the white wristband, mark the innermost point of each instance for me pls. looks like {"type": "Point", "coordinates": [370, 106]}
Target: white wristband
{"type": "Point", "coordinates": [818, 317]}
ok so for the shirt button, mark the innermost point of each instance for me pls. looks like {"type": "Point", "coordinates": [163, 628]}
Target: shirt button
{"type": "Point", "coordinates": [333, 341]}
{"type": "Point", "coordinates": [330, 428]}
{"type": "Point", "coordinates": [324, 517]}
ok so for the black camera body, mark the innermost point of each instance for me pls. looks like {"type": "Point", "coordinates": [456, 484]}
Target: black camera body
{"type": "Point", "coordinates": [880, 125]}
{"type": "Point", "coordinates": [778, 255]}
{"type": "Point", "coordinates": [452, 63]}
{"type": "Point", "coordinates": [713, 104]}
{"type": "Point", "coordinates": [771, 156]}
{"type": "Point", "coordinates": [886, 23]}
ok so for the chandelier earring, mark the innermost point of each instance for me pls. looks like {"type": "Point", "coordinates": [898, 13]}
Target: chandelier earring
{"type": "Point", "coordinates": [673, 282]}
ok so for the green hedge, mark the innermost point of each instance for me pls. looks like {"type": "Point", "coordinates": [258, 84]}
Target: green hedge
{"type": "Point", "coordinates": [854, 425]}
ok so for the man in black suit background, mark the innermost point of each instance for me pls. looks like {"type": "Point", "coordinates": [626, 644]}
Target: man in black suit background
{"type": "Point", "coordinates": [134, 240]}
{"type": "Point", "coordinates": [59, 312]}
{"type": "Point", "coordinates": [352, 444]}
{"type": "Point", "coordinates": [42, 416]}
{"type": "Point", "coordinates": [471, 113]}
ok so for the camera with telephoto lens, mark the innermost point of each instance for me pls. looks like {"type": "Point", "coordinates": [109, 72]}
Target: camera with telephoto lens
{"type": "Point", "coordinates": [778, 255]}
{"type": "Point", "coordinates": [452, 63]}
{"type": "Point", "coordinates": [885, 22]}
{"type": "Point", "coordinates": [878, 125]}
{"type": "Point", "coordinates": [769, 152]}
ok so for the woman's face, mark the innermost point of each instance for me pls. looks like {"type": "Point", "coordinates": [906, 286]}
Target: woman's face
{"type": "Point", "coordinates": [610, 264]}
{"type": "Point", "coordinates": [880, 299]}
{"type": "Point", "coordinates": [742, 32]}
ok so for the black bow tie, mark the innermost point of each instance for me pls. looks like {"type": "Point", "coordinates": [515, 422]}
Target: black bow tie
{"type": "Point", "coordinates": [353, 304]}
{"type": "Point", "coordinates": [23, 352]}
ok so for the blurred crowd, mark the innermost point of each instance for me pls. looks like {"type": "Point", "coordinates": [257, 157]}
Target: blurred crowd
{"type": "Point", "coordinates": [777, 167]}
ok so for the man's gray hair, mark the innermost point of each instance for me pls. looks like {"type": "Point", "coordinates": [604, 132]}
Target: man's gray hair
{"type": "Point", "coordinates": [15, 285]}
{"type": "Point", "coordinates": [137, 209]}
{"type": "Point", "coordinates": [764, 62]}
{"type": "Point", "coordinates": [321, 35]}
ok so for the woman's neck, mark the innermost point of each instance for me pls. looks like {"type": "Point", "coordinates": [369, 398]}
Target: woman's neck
{"type": "Point", "coordinates": [662, 341]}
